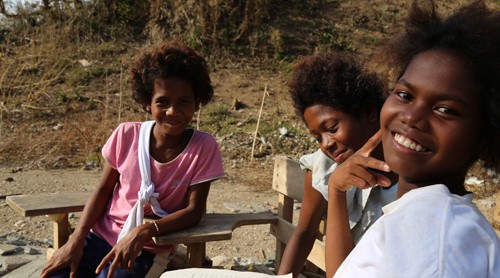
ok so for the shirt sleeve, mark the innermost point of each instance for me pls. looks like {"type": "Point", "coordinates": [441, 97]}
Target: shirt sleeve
{"type": "Point", "coordinates": [209, 166]}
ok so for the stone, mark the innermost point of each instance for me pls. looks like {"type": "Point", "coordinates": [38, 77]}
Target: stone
{"type": "Point", "coordinates": [6, 249]}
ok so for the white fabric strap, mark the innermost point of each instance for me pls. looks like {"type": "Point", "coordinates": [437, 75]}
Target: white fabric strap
{"type": "Point", "coordinates": [147, 194]}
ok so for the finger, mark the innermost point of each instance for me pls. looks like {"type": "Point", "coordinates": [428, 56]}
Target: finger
{"type": "Point", "coordinates": [356, 181]}
{"type": "Point", "coordinates": [124, 261]}
{"type": "Point", "coordinates": [371, 162]}
{"type": "Point", "coordinates": [73, 270]}
{"type": "Point", "coordinates": [48, 270]}
{"type": "Point", "coordinates": [112, 268]}
{"type": "Point", "coordinates": [382, 180]}
{"type": "Point", "coordinates": [371, 144]}
{"type": "Point", "coordinates": [365, 177]}
{"type": "Point", "coordinates": [104, 262]}
{"type": "Point", "coordinates": [131, 263]}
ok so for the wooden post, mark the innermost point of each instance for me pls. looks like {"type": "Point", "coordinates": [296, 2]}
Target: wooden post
{"type": "Point", "coordinates": [62, 231]}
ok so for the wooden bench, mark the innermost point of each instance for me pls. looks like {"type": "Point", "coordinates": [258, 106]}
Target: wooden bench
{"type": "Point", "coordinates": [288, 181]}
{"type": "Point", "coordinates": [212, 227]}
{"type": "Point", "coordinates": [55, 206]}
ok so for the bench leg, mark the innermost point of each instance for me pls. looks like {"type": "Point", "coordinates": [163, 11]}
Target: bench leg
{"type": "Point", "coordinates": [61, 228]}
{"type": "Point", "coordinates": [195, 254]}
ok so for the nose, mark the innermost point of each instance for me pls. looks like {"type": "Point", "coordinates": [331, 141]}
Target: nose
{"type": "Point", "coordinates": [171, 110]}
{"type": "Point", "coordinates": [415, 116]}
{"type": "Point", "coordinates": [326, 141]}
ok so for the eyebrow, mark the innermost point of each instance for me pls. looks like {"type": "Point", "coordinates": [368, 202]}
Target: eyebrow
{"type": "Point", "coordinates": [436, 95]}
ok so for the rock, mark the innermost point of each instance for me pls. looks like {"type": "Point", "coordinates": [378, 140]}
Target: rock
{"type": "Point", "coordinates": [283, 131]}
{"type": "Point", "coordinates": [474, 181]}
{"type": "Point", "coordinates": [6, 249]}
{"type": "Point", "coordinates": [220, 260]}
{"type": "Point", "coordinates": [31, 251]}
{"type": "Point", "coordinates": [12, 263]}
{"type": "Point", "coordinates": [243, 261]}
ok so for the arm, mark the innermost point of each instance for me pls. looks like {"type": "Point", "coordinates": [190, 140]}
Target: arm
{"type": "Point", "coordinates": [339, 241]}
{"type": "Point", "coordinates": [128, 249]}
{"type": "Point", "coordinates": [71, 253]}
{"type": "Point", "coordinates": [300, 244]}
{"type": "Point", "coordinates": [355, 171]}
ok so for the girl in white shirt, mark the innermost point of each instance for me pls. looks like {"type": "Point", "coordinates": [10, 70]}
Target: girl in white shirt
{"type": "Point", "coordinates": [442, 116]}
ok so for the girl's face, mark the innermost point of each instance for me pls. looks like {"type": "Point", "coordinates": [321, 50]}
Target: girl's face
{"type": "Point", "coordinates": [173, 105]}
{"type": "Point", "coordinates": [339, 134]}
{"type": "Point", "coordinates": [431, 122]}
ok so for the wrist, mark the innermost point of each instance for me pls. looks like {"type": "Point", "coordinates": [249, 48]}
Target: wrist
{"type": "Point", "coordinates": [337, 192]}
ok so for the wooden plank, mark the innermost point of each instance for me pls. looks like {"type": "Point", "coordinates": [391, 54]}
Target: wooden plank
{"type": "Point", "coordinates": [288, 178]}
{"type": "Point", "coordinates": [215, 227]}
{"type": "Point", "coordinates": [283, 231]}
{"type": "Point", "coordinates": [48, 203]}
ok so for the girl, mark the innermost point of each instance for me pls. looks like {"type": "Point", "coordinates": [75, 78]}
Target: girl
{"type": "Point", "coordinates": [442, 115]}
{"type": "Point", "coordinates": [161, 166]}
{"type": "Point", "coordinates": [340, 106]}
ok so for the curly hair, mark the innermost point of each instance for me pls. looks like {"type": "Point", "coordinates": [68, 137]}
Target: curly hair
{"type": "Point", "coordinates": [336, 80]}
{"type": "Point", "coordinates": [171, 60]}
{"type": "Point", "coordinates": [473, 32]}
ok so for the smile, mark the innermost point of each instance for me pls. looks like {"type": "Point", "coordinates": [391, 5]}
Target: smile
{"type": "Point", "coordinates": [408, 143]}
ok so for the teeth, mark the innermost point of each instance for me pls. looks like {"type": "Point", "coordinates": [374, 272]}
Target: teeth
{"type": "Point", "coordinates": [408, 143]}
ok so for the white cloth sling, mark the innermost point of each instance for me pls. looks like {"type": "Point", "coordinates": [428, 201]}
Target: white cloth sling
{"type": "Point", "coordinates": [147, 194]}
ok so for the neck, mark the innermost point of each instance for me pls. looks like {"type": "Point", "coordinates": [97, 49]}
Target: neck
{"type": "Point", "coordinates": [163, 141]}
{"type": "Point", "coordinates": [455, 184]}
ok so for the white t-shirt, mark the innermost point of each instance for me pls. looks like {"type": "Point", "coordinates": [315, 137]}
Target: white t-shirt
{"type": "Point", "coordinates": [363, 206]}
{"type": "Point", "coordinates": [428, 232]}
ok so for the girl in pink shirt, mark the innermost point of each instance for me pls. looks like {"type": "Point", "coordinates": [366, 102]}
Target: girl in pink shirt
{"type": "Point", "coordinates": [172, 180]}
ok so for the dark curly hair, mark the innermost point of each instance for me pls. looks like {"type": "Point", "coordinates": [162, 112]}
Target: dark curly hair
{"type": "Point", "coordinates": [336, 80]}
{"type": "Point", "coordinates": [171, 60]}
{"type": "Point", "coordinates": [474, 33]}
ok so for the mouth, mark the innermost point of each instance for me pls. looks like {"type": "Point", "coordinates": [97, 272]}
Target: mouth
{"type": "Point", "coordinates": [409, 143]}
{"type": "Point", "coordinates": [339, 156]}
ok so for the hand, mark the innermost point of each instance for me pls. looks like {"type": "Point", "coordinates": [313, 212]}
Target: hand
{"type": "Point", "coordinates": [68, 255]}
{"type": "Point", "coordinates": [358, 170]}
{"type": "Point", "coordinates": [125, 251]}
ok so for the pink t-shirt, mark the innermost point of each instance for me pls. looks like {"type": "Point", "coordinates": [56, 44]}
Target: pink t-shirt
{"type": "Point", "coordinates": [200, 162]}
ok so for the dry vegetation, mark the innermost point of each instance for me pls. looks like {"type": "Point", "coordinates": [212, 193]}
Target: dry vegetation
{"type": "Point", "coordinates": [64, 71]}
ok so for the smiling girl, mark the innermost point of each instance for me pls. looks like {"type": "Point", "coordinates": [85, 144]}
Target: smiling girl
{"type": "Point", "coordinates": [161, 167]}
{"type": "Point", "coordinates": [442, 116]}
{"type": "Point", "coordinates": [340, 104]}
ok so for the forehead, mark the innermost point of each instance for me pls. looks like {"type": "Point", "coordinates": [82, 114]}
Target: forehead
{"type": "Point", "coordinates": [172, 86]}
{"type": "Point", "coordinates": [442, 72]}
{"type": "Point", "coordinates": [318, 114]}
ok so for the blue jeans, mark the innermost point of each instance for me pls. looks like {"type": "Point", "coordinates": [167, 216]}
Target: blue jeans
{"type": "Point", "coordinates": [94, 250]}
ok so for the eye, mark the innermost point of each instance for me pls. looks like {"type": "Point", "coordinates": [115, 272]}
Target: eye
{"type": "Point", "coordinates": [332, 129]}
{"type": "Point", "coordinates": [404, 95]}
{"type": "Point", "coordinates": [446, 110]}
{"type": "Point", "coordinates": [163, 103]}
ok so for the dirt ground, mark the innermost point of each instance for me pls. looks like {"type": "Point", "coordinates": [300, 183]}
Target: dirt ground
{"type": "Point", "coordinates": [44, 148]}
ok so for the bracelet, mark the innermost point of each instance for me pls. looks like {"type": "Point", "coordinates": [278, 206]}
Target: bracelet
{"type": "Point", "coordinates": [156, 226]}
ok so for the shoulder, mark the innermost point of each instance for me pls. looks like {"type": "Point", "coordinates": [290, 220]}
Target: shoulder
{"type": "Point", "coordinates": [128, 127]}
{"type": "Point", "coordinates": [203, 138]}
